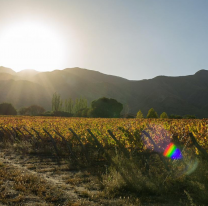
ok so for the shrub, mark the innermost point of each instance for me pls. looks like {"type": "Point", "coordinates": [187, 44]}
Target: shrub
{"type": "Point", "coordinates": [82, 112]}
{"type": "Point", "coordinates": [32, 110]}
{"type": "Point", "coordinates": [35, 110]}
{"type": "Point", "coordinates": [23, 111]}
{"type": "Point", "coordinates": [140, 114]}
{"type": "Point", "coordinates": [174, 116]}
{"type": "Point", "coordinates": [152, 113]}
{"type": "Point", "coordinates": [164, 115]}
{"type": "Point", "coordinates": [48, 113]}
{"type": "Point", "coordinates": [106, 108]}
{"type": "Point", "coordinates": [188, 116]}
{"type": "Point", "coordinates": [7, 109]}
{"type": "Point", "coordinates": [62, 114]}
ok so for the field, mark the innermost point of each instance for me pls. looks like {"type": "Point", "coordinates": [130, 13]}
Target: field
{"type": "Point", "coordinates": [86, 161]}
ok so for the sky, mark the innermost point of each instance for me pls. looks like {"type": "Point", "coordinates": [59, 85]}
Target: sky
{"type": "Point", "coordinates": [134, 39]}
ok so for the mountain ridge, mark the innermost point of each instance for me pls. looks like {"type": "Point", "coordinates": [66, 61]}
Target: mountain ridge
{"type": "Point", "coordinates": [174, 95]}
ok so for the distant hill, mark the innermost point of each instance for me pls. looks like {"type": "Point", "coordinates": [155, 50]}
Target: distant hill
{"type": "Point", "coordinates": [7, 70]}
{"type": "Point", "coordinates": [174, 95]}
{"type": "Point", "coordinates": [27, 73]}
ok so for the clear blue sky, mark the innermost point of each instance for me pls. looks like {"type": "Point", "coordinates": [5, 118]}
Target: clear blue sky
{"type": "Point", "coordinates": [134, 39]}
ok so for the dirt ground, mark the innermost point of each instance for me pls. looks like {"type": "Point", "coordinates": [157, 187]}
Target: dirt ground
{"type": "Point", "coordinates": [76, 186]}
{"type": "Point", "coordinates": [39, 179]}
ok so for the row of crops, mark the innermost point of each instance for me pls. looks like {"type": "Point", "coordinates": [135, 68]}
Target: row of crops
{"type": "Point", "coordinates": [127, 154]}
{"type": "Point", "coordinates": [129, 132]}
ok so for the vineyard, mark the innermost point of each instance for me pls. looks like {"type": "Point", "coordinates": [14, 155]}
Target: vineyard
{"type": "Point", "coordinates": [123, 156]}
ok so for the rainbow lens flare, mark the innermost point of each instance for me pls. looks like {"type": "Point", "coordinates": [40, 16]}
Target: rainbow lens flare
{"type": "Point", "coordinates": [172, 152]}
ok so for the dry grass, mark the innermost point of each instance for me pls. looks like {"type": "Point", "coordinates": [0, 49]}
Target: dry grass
{"type": "Point", "coordinates": [119, 181]}
{"type": "Point", "coordinates": [156, 185]}
{"type": "Point", "coordinates": [17, 185]}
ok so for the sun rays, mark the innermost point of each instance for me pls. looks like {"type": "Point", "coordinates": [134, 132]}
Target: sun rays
{"type": "Point", "coordinates": [31, 45]}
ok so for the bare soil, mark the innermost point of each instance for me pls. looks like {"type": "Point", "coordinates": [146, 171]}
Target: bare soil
{"type": "Point", "coordinates": [78, 186]}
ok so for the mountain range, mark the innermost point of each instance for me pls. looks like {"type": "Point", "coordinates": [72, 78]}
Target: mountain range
{"type": "Point", "coordinates": [174, 95]}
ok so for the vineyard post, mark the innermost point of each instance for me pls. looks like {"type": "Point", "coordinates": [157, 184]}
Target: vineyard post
{"type": "Point", "coordinates": [83, 147]}
{"type": "Point", "coordinates": [33, 138]}
{"type": "Point", "coordinates": [125, 151]}
{"type": "Point", "coordinates": [100, 146]}
{"type": "Point", "coordinates": [3, 131]}
{"type": "Point", "coordinates": [12, 140]}
{"type": "Point", "coordinates": [109, 158]}
{"type": "Point", "coordinates": [177, 159]}
{"type": "Point", "coordinates": [11, 133]}
{"type": "Point", "coordinates": [16, 134]}
{"type": "Point", "coordinates": [17, 137]}
{"type": "Point", "coordinates": [196, 144]}
{"type": "Point", "coordinates": [96, 140]}
{"type": "Point", "coordinates": [156, 147]}
{"type": "Point", "coordinates": [1, 135]}
{"type": "Point", "coordinates": [52, 140]}
{"type": "Point", "coordinates": [37, 133]}
{"type": "Point", "coordinates": [66, 142]}
{"type": "Point", "coordinates": [136, 140]}
{"type": "Point", "coordinates": [21, 132]}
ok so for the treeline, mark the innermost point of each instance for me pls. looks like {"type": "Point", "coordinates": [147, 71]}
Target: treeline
{"type": "Point", "coordinates": [68, 107]}
{"type": "Point", "coordinates": [153, 114]}
{"type": "Point", "coordinates": [103, 107]}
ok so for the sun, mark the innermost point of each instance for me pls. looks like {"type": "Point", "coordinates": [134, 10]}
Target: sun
{"type": "Point", "coordinates": [31, 45]}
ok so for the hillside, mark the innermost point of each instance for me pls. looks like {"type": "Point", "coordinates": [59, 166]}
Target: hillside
{"type": "Point", "coordinates": [175, 95]}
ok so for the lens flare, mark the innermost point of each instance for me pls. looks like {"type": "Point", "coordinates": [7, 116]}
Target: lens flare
{"type": "Point", "coordinates": [158, 139]}
{"type": "Point", "coordinates": [172, 152]}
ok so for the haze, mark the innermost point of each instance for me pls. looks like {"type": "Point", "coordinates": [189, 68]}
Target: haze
{"type": "Point", "coordinates": [133, 39]}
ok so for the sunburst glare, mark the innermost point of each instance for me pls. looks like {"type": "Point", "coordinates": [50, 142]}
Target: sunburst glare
{"type": "Point", "coordinates": [31, 45]}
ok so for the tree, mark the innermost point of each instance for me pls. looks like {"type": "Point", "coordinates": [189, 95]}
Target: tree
{"type": "Point", "coordinates": [175, 116]}
{"type": "Point", "coordinates": [35, 110]}
{"type": "Point", "coordinates": [189, 116]}
{"type": "Point", "coordinates": [80, 103]}
{"type": "Point", "coordinates": [69, 105]}
{"type": "Point", "coordinates": [106, 108]}
{"type": "Point", "coordinates": [23, 111]}
{"type": "Point", "coordinates": [7, 109]}
{"type": "Point", "coordinates": [56, 102]}
{"type": "Point", "coordinates": [140, 114]}
{"type": "Point", "coordinates": [164, 115]}
{"type": "Point", "coordinates": [152, 113]}
{"type": "Point", "coordinates": [82, 112]}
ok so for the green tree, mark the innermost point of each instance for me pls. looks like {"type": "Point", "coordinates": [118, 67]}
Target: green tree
{"type": "Point", "coordinates": [164, 115]}
{"type": "Point", "coordinates": [56, 102]}
{"type": "Point", "coordinates": [80, 103]}
{"type": "Point", "coordinates": [7, 109]}
{"type": "Point", "coordinates": [189, 116]}
{"type": "Point", "coordinates": [23, 111]}
{"type": "Point", "coordinates": [152, 113]}
{"type": "Point", "coordinates": [106, 108]}
{"type": "Point", "coordinates": [175, 116]}
{"type": "Point", "coordinates": [82, 112]}
{"type": "Point", "coordinates": [35, 110]}
{"type": "Point", "coordinates": [140, 114]}
{"type": "Point", "coordinates": [69, 105]}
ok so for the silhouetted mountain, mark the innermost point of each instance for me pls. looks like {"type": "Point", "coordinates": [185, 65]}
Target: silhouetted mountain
{"type": "Point", "coordinates": [23, 93]}
{"type": "Point", "coordinates": [7, 70]}
{"type": "Point", "coordinates": [7, 76]}
{"type": "Point", "coordinates": [174, 95]}
{"type": "Point", "coordinates": [27, 73]}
